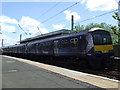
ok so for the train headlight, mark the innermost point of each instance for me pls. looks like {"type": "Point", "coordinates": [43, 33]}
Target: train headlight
{"type": "Point", "coordinates": [89, 54]}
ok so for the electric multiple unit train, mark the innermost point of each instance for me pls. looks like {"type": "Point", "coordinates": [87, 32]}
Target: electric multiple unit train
{"type": "Point", "coordinates": [93, 46]}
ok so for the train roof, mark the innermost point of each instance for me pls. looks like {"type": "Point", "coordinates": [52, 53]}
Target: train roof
{"type": "Point", "coordinates": [54, 35]}
{"type": "Point", "coordinates": [60, 37]}
{"type": "Point", "coordinates": [16, 45]}
{"type": "Point", "coordinates": [57, 34]}
{"type": "Point", "coordinates": [48, 35]}
{"type": "Point", "coordinates": [94, 29]}
{"type": "Point", "coordinates": [91, 30]}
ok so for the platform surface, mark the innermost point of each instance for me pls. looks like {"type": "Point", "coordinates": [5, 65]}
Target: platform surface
{"type": "Point", "coordinates": [22, 73]}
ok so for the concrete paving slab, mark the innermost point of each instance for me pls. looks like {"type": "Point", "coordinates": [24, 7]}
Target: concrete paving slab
{"type": "Point", "coordinates": [20, 74]}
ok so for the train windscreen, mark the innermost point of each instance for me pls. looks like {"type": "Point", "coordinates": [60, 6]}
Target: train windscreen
{"type": "Point", "coordinates": [102, 38]}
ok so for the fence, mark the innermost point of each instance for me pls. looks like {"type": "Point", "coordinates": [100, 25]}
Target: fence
{"type": "Point", "coordinates": [116, 63]}
{"type": "Point", "coordinates": [116, 50]}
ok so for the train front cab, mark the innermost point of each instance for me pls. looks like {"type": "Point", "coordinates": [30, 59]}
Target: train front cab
{"type": "Point", "coordinates": [102, 55]}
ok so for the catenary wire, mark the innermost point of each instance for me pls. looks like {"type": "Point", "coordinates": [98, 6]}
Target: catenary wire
{"type": "Point", "coordinates": [82, 12]}
{"type": "Point", "coordinates": [48, 10]}
{"type": "Point", "coordinates": [60, 12]}
{"type": "Point", "coordinates": [95, 16]}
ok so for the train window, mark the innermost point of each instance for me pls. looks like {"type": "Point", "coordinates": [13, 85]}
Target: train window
{"type": "Point", "coordinates": [97, 39]}
{"type": "Point", "coordinates": [64, 43]}
{"type": "Point", "coordinates": [100, 39]}
{"type": "Point", "coordinates": [36, 45]}
{"type": "Point", "coordinates": [47, 45]}
{"type": "Point", "coordinates": [106, 39]}
{"type": "Point", "coordinates": [56, 44]}
{"type": "Point", "coordinates": [30, 47]}
{"type": "Point", "coordinates": [43, 45]}
{"type": "Point", "coordinates": [83, 43]}
{"type": "Point", "coordinates": [40, 45]}
{"type": "Point", "coordinates": [74, 43]}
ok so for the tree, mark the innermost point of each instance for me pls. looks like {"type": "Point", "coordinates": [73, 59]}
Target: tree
{"type": "Point", "coordinates": [101, 25]}
{"type": "Point", "coordinates": [116, 29]}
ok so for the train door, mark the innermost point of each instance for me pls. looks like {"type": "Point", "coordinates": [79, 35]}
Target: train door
{"type": "Point", "coordinates": [83, 43]}
{"type": "Point", "coordinates": [36, 49]}
{"type": "Point", "coordinates": [26, 50]}
{"type": "Point", "coordinates": [56, 48]}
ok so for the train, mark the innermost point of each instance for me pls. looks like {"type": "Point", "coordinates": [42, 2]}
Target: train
{"type": "Point", "coordinates": [92, 47]}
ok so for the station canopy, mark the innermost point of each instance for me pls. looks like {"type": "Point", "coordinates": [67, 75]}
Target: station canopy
{"type": "Point", "coordinates": [45, 36]}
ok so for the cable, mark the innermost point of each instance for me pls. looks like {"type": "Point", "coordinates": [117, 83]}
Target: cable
{"type": "Point", "coordinates": [83, 11]}
{"type": "Point", "coordinates": [60, 12]}
{"type": "Point", "coordinates": [22, 29]}
{"type": "Point", "coordinates": [60, 21]}
{"type": "Point", "coordinates": [48, 10]}
{"type": "Point", "coordinates": [20, 25]}
{"type": "Point", "coordinates": [98, 16]}
{"type": "Point", "coordinates": [68, 8]}
{"type": "Point", "coordinates": [94, 17]}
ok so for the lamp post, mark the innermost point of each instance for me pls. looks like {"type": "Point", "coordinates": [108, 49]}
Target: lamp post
{"type": "Point", "coordinates": [72, 22]}
{"type": "Point", "coordinates": [20, 37]}
{"type": "Point", "coordinates": [2, 42]}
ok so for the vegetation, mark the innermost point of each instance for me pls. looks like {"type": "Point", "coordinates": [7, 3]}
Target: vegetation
{"type": "Point", "coordinates": [116, 29]}
{"type": "Point", "coordinates": [101, 25]}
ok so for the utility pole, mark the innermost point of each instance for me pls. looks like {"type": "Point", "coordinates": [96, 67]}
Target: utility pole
{"type": "Point", "coordinates": [20, 37]}
{"type": "Point", "coordinates": [72, 22]}
{"type": "Point", "coordinates": [2, 42]}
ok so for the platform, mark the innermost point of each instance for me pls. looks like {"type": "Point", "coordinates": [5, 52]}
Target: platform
{"type": "Point", "coordinates": [22, 73]}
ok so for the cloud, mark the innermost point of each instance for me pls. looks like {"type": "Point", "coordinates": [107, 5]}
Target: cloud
{"type": "Point", "coordinates": [69, 14]}
{"type": "Point", "coordinates": [83, 1]}
{"type": "Point", "coordinates": [7, 24]}
{"type": "Point", "coordinates": [10, 25]}
{"type": "Point", "coordinates": [5, 19]}
{"type": "Point", "coordinates": [28, 24]}
{"type": "Point", "coordinates": [32, 26]}
{"type": "Point", "coordinates": [27, 21]}
{"type": "Point", "coordinates": [100, 5]}
{"type": "Point", "coordinates": [8, 28]}
{"type": "Point", "coordinates": [7, 40]}
{"type": "Point", "coordinates": [58, 27]}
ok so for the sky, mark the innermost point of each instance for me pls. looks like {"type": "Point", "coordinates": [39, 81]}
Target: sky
{"type": "Point", "coordinates": [32, 18]}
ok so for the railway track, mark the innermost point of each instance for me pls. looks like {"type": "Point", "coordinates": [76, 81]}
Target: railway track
{"type": "Point", "coordinates": [113, 74]}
